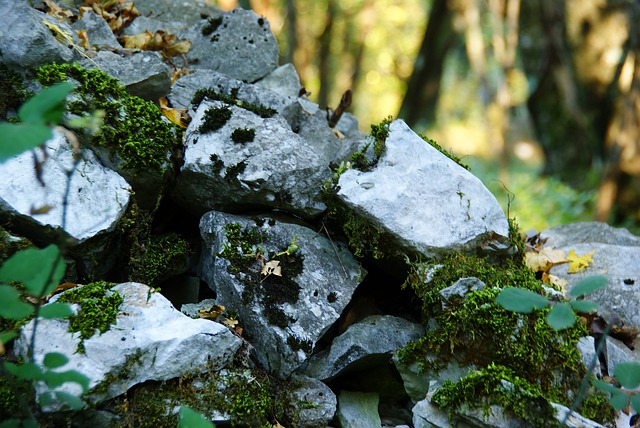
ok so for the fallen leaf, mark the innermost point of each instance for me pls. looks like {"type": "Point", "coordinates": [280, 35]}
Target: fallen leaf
{"type": "Point", "coordinates": [271, 268]}
{"type": "Point", "coordinates": [59, 289]}
{"type": "Point", "coordinates": [61, 36]}
{"type": "Point", "coordinates": [40, 210]}
{"type": "Point", "coordinates": [178, 116]}
{"type": "Point", "coordinates": [542, 259]}
{"type": "Point", "coordinates": [578, 263]}
{"type": "Point", "coordinates": [548, 278]}
{"type": "Point", "coordinates": [84, 39]}
{"type": "Point", "coordinates": [57, 12]}
{"type": "Point", "coordinates": [230, 322]}
{"type": "Point", "coordinates": [158, 41]}
{"type": "Point", "coordinates": [211, 313]}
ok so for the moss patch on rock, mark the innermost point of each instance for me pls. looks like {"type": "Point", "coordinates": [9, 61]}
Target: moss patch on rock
{"type": "Point", "coordinates": [162, 255]}
{"type": "Point", "coordinates": [133, 128]}
{"type": "Point", "coordinates": [211, 94]}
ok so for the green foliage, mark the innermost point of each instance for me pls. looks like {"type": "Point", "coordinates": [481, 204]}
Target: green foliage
{"type": "Point", "coordinates": [191, 419]}
{"type": "Point", "coordinates": [12, 91]}
{"type": "Point", "coordinates": [36, 116]}
{"type": "Point", "coordinates": [98, 309]}
{"type": "Point", "coordinates": [132, 128]}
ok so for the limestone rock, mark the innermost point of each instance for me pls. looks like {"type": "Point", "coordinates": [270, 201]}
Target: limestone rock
{"type": "Point", "coordinates": [150, 340]}
{"type": "Point", "coordinates": [237, 43]}
{"type": "Point", "coordinates": [312, 403]}
{"type": "Point", "coordinates": [100, 33]}
{"type": "Point", "coordinates": [424, 200]}
{"type": "Point", "coordinates": [284, 80]}
{"type": "Point", "coordinates": [283, 316]}
{"type": "Point", "coordinates": [358, 410]}
{"type": "Point", "coordinates": [367, 343]}
{"type": "Point", "coordinates": [276, 169]}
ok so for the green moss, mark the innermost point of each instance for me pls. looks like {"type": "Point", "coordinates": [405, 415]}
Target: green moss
{"type": "Point", "coordinates": [98, 309]}
{"type": "Point", "coordinates": [162, 255]}
{"type": "Point", "coordinates": [9, 403]}
{"type": "Point", "coordinates": [380, 132]}
{"type": "Point", "coordinates": [120, 373]}
{"type": "Point", "coordinates": [211, 25]}
{"type": "Point", "coordinates": [132, 128]}
{"type": "Point", "coordinates": [212, 94]}
{"type": "Point", "coordinates": [216, 163]}
{"type": "Point", "coordinates": [245, 135]}
{"type": "Point", "coordinates": [447, 153]}
{"type": "Point", "coordinates": [298, 344]}
{"type": "Point", "coordinates": [12, 91]}
{"type": "Point", "coordinates": [476, 331]}
{"type": "Point", "coordinates": [214, 119]}
{"type": "Point", "coordinates": [234, 170]}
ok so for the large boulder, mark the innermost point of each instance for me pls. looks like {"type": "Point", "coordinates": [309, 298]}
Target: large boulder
{"type": "Point", "coordinates": [425, 201]}
{"type": "Point", "coordinates": [150, 340]}
{"type": "Point", "coordinates": [284, 313]}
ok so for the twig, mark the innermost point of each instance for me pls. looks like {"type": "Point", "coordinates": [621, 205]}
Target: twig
{"type": "Point", "coordinates": [345, 102]}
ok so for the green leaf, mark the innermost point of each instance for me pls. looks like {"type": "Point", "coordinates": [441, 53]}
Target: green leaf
{"type": "Point", "coordinates": [588, 285]}
{"type": "Point", "coordinates": [72, 401]}
{"type": "Point", "coordinates": [55, 379]}
{"type": "Point", "coordinates": [34, 267]}
{"type": "Point", "coordinates": [6, 336]}
{"type": "Point", "coordinates": [10, 423]}
{"type": "Point", "coordinates": [605, 387]}
{"type": "Point", "coordinates": [585, 306]}
{"type": "Point", "coordinates": [53, 360]}
{"type": "Point", "coordinates": [12, 307]}
{"type": "Point", "coordinates": [55, 310]}
{"type": "Point", "coordinates": [25, 371]}
{"type": "Point", "coordinates": [635, 403]}
{"type": "Point", "coordinates": [628, 374]}
{"type": "Point", "coordinates": [47, 106]}
{"type": "Point", "coordinates": [561, 316]}
{"type": "Point", "coordinates": [520, 300]}
{"type": "Point", "coordinates": [619, 400]}
{"type": "Point", "coordinates": [20, 137]}
{"type": "Point", "coordinates": [189, 418]}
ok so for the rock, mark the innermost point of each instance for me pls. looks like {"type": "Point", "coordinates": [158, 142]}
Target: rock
{"type": "Point", "coordinates": [461, 288]}
{"type": "Point", "coordinates": [149, 341]}
{"type": "Point", "coordinates": [237, 43]}
{"type": "Point", "coordinates": [26, 42]}
{"type": "Point", "coordinates": [143, 74]}
{"type": "Point", "coordinates": [575, 420]}
{"type": "Point", "coordinates": [424, 200]}
{"type": "Point", "coordinates": [312, 403]}
{"type": "Point", "coordinates": [368, 343]}
{"type": "Point", "coordinates": [283, 316]}
{"type": "Point", "coordinates": [616, 256]}
{"type": "Point", "coordinates": [274, 169]}
{"type": "Point", "coordinates": [284, 80]}
{"type": "Point", "coordinates": [191, 309]}
{"type": "Point", "coordinates": [98, 30]}
{"type": "Point", "coordinates": [187, 11]}
{"type": "Point", "coordinates": [96, 200]}
{"type": "Point", "coordinates": [358, 410]}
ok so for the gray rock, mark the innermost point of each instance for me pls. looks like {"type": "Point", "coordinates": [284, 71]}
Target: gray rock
{"type": "Point", "coordinates": [284, 80]}
{"type": "Point", "coordinates": [575, 420]}
{"type": "Point", "coordinates": [312, 403]}
{"type": "Point", "coordinates": [191, 309]}
{"type": "Point", "coordinates": [424, 200]}
{"type": "Point", "coordinates": [98, 31]}
{"type": "Point", "coordinates": [97, 196]}
{"type": "Point", "coordinates": [144, 23]}
{"type": "Point", "coordinates": [26, 42]}
{"type": "Point", "coordinates": [187, 11]}
{"type": "Point", "coordinates": [237, 43]}
{"type": "Point", "coordinates": [616, 256]}
{"type": "Point", "coordinates": [304, 305]}
{"type": "Point", "coordinates": [144, 74]}
{"type": "Point", "coordinates": [461, 288]}
{"type": "Point", "coordinates": [277, 169]}
{"type": "Point", "coordinates": [368, 343]}
{"type": "Point", "coordinates": [358, 410]}
{"type": "Point", "coordinates": [150, 339]}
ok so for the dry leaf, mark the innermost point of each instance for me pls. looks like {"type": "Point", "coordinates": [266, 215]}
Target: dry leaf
{"type": "Point", "coordinates": [547, 278]}
{"type": "Point", "coordinates": [57, 12]}
{"type": "Point", "coordinates": [271, 268]}
{"type": "Point", "coordinates": [84, 39]}
{"type": "Point", "coordinates": [178, 116]}
{"type": "Point", "coordinates": [578, 263]}
{"type": "Point", "coordinates": [40, 210]}
{"type": "Point", "coordinates": [158, 41]}
{"type": "Point", "coordinates": [544, 258]}
{"type": "Point", "coordinates": [61, 36]}
{"type": "Point", "coordinates": [212, 313]}
{"type": "Point", "coordinates": [59, 289]}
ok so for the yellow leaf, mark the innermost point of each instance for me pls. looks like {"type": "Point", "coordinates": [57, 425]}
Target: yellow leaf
{"type": "Point", "coordinates": [543, 259]}
{"type": "Point", "coordinates": [578, 263]}
{"type": "Point", "coordinates": [60, 35]}
{"type": "Point", "coordinates": [84, 39]}
{"type": "Point", "coordinates": [554, 280]}
{"type": "Point", "coordinates": [57, 12]}
{"type": "Point", "coordinates": [137, 41]}
{"type": "Point", "coordinates": [229, 322]}
{"type": "Point", "coordinates": [178, 116]}
{"type": "Point", "coordinates": [211, 313]}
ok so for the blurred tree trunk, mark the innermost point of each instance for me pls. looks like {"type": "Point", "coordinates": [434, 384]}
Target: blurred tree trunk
{"type": "Point", "coordinates": [291, 22]}
{"type": "Point", "coordinates": [324, 56]}
{"type": "Point", "coordinates": [423, 88]}
{"type": "Point", "coordinates": [367, 20]}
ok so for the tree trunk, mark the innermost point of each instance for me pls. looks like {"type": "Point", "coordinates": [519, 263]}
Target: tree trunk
{"type": "Point", "coordinates": [324, 59]}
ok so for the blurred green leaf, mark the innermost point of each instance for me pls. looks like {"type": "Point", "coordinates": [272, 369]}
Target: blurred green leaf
{"type": "Point", "coordinates": [53, 360]}
{"type": "Point", "coordinates": [47, 106]}
{"type": "Point", "coordinates": [605, 387]}
{"type": "Point", "coordinates": [585, 306]}
{"type": "Point", "coordinates": [520, 300]}
{"type": "Point", "coordinates": [55, 310]}
{"type": "Point", "coordinates": [16, 138]}
{"type": "Point", "coordinates": [561, 316]}
{"type": "Point", "coordinates": [6, 336]}
{"type": "Point", "coordinates": [628, 374]}
{"type": "Point", "coordinates": [72, 401]}
{"type": "Point", "coordinates": [10, 423]}
{"type": "Point", "coordinates": [588, 285]}
{"type": "Point", "coordinates": [55, 379]}
{"type": "Point", "coordinates": [189, 418]}
{"type": "Point", "coordinates": [25, 371]}
{"type": "Point", "coordinates": [635, 403]}
{"type": "Point", "coordinates": [12, 307]}
{"type": "Point", "coordinates": [34, 267]}
{"type": "Point", "coordinates": [619, 400]}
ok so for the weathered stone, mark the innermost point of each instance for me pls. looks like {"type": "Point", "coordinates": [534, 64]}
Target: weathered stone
{"type": "Point", "coordinates": [285, 316]}
{"type": "Point", "coordinates": [424, 200]}
{"type": "Point", "coordinates": [461, 288]}
{"type": "Point", "coordinates": [276, 169]}
{"type": "Point", "coordinates": [96, 200]}
{"type": "Point", "coordinates": [26, 42]}
{"type": "Point", "coordinates": [150, 340]}
{"type": "Point", "coordinates": [191, 309]}
{"type": "Point", "coordinates": [312, 404]}
{"type": "Point", "coordinates": [144, 23]}
{"type": "Point", "coordinates": [358, 410]}
{"type": "Point", "coordinates": [100, 33]}
{"type": "Point", "coordinates": [237, 43]}
{"type": "Point", "coordinates": [283, 80]}
{"type": "Point", "coordinates": [616, 256]}
{"type": "Point", "coordinates": [143, 74]}
{"type": "Point", "coordinates": [368, 343]}
{"type": "Point", "coordinates": [187, 11]}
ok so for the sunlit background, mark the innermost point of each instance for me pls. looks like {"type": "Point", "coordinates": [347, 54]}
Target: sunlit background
{"type": "Point", "coordinates": [480, 110]}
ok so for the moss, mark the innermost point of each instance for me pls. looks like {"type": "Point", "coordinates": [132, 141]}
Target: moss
{"type": "Point", "coordinates": [476, 331]}
{"type": "Point", "coordinates": [216, 163]}
{"type": "Point", "coordinates": [212, 94]}
{"type": "Point", "coordinates": [234, 170]}
{"type": "Point", "coordinates": [332, 297]}
{"type": "Point", "coordinates": [447, 153]}
{"type": "Point", "coordinates": [9, 403]}
{"type": "Point", "coordinates": [245, 135]}
{"type": "Point", "coordinates": [380, 132]}
{"type": "Point", "coordinates": [214, 119]}
{"type": "Point", "coordinates": [211, 25]}
{"type": "Point", "coordinates": [132, 128]}
{"type": "Point", "coordinates": [98, 309]}
{"type": "Point", "coordinates": [12, 91]}
{"type": "Point", "coordinates": [120, 373]}
{"type": "Point", "coordinates": [162, 255]}
{"type": "Point", "coordinates": [298, 344]}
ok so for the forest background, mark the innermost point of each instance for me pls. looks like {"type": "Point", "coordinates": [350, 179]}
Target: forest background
{"type": "Point", "coordinates": [540, 97]}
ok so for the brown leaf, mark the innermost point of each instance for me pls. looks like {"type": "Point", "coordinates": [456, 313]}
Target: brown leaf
{"type": "Point", "coordinates": [211, 313]}
{"type": "Point", "coordinates": [84, 39]}
{"type": "Point", "coordinates": [59, 289]}
{"type": "Point", "coordinates": [544, 258]}
{"type": "Point", "coordinates": [178, 116]}
{"type": "Point", "coordinates": [57, 12]}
